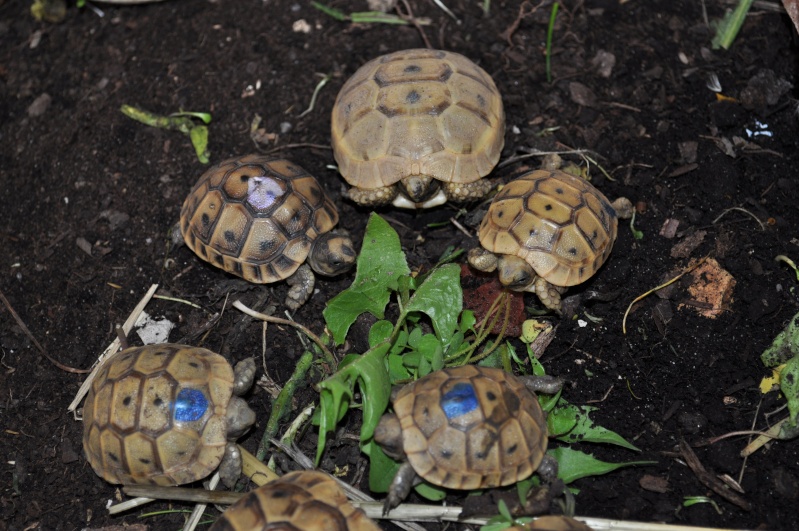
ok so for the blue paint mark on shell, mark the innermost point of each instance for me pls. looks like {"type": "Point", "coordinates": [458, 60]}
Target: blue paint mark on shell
{"type": "Point", "coordinates": [191, 405]}
{"type": "Point", "coordinates": [263, 191]}
{"type": "Point", "coordinates": [460, 400]}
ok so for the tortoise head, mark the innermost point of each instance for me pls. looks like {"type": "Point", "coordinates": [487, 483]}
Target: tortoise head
{"type": "Point", "coordinates": [240, 418]}
{"type": "Point", "coordinates": [332, 253]}
{"type": "Point", "coordinates": [418, 188]}
{"type": "Point", "coordinates": [515, 273]}
{"type": "Point", "coordinates": [388, 434]}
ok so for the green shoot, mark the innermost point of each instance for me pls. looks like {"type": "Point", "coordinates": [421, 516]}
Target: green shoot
{"type": "Point", "coordinates": [693, 500]}
{"type": "Point", "coordinates": [362, 17]}
{"type": "Point", "coordinates": [486, 7]}
{"type": "Point", "coordinates": [637, 234]}
{"type": "Point", "coordinates": [728, 27]}
{"type": "Point", "coordinates": [504, 519]}
{"type": "Point", "coordinates": [550, 29]}
{"type": "Point", "coordinates": [316, 90]}
{"type": "Point", "coordinates": [791, 264]}
{"type": "Point", "coordinates": [181, 121]}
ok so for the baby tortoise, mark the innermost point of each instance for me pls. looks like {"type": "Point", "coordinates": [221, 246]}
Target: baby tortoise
{"type": "Point", "coordinates": [167, 415]}
{"type": "Point", "coordinates": [266, 220]}
{"type": "Point", "coordinates": [307, 501]}
{"type": "Point", "coordinates": [467, 428]}
{"type": "Point", "coordinates": [417, 128]}
{"type": "Point", "coordinates": [547, 230]}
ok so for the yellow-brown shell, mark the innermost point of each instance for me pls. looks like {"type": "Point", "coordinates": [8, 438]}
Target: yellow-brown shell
{"type": "Point", "coordinates": [559, 224]}
{"type": "Point", "coordinates": [471, 427]}
{"type": "Point", "coordinates": [156, 415]}
{"type": "Point", "coordinates": [417, 112]}
{"type": "Point", "coordinates": [306, 501]}
{"type": "Point", "coordinates": [256, 217]}
{"type": "Point", "coordinates": [552, 523]}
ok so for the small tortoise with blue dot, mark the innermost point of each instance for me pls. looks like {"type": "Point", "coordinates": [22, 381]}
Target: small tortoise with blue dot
{"type": "Point", "coordinates": [167, 415]}
{"type": "Point", "coordinates": [466, 428]}
{"type": "Point", "coordinates": [547, 230]}
{"type": "Point", "coordinates": [266, 220]}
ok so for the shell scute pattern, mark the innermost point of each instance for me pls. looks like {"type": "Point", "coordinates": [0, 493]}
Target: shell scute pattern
{"type": "Point", "coordinates": [471, 427]}
{"type": "Point", "coordinates": [560, 224]}
{"type": "Point", "coordinates": [309, 500]}
{"type": "Point", "coordinates": [133, 431]}
{"type": "Point", "coordinates": [417, 112]}
{"type": "Point", "coordinates": [256, 217]}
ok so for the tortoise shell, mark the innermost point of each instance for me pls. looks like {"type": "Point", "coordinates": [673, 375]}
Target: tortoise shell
{"type": "Point", "coordinates": [156, 415]}
{"type": "Point", "coordinates": [471, 427]}
{"type": "Point", "coordinates": [307, 500]}
{"type": "Point", "coordinates": [552, 523]}
{"type": "Point", "coordinates": [417, 112]}
{"type": "Point", "coordinates": [256, 217]}
{"type": "Point", "coordinates": [559, 224]}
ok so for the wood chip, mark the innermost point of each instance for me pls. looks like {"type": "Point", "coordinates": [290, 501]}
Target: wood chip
{"type": "Point", "coordinates": [654, 483]}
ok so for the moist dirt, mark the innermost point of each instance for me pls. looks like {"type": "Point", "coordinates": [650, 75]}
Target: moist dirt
{"type": "Point", "coordinates": [88, 197]}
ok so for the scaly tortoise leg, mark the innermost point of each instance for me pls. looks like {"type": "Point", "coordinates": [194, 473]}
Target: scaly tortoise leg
{"type": "Point", "coordinates": [302, 284]}
{"type": "Point", "coordinates": [549, 294]}
{"type": "Point", "coordinates": [467, 192]}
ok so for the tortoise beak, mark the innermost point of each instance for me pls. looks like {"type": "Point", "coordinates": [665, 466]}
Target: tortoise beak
{"type": "Point", "coordinates": [418, 188]}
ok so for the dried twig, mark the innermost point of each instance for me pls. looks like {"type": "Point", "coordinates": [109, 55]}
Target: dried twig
{"type": "Point", "coordinates": [709, 480]}
{"type": "Point", "coordinates": [739, 209]}
{"type": "Point", "coordinates": [329, 357]}
{"type": "Point", "coordinates": [28, 333]}
{"type": "Point", "coordinates": [113, 347]}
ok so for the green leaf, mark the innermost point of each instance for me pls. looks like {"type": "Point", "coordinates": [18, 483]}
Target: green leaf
{"type": "Point", "coordinates": [789, 385]}
{"type": "Point", "coordinates": [397, 369]}
{"type": "Point", "coordinates": [467, 321]}
{"type": "Point", "coordinates": [333, 12]}
{"type": "Point", "coordinates": [573, 465]}
{"type": "Point", "coordinates": [784, 347]}
{"type": "Point", "coordinates": [380, 264]}
{"type": "Point", "coordinates": [728, 27]}
{"type": "Point", "coordinates": [382, 468]}
{"type": "Point", "coordinates": [582, 427]}
{"type": "Point", "coordinates": [380, 331]}
{"type": "Point", "coordinates": [369, 373]}
{"type": "Point", "coordinates": [430, 492]}
{"type": "Point", "coordinates": [441, 298]}
{"type": "Point", "coordinates": [199, 139]}
{"type": "Point", "coordinates": [430, 348]}
{"type": "Point", "coordinates": [562, 420]}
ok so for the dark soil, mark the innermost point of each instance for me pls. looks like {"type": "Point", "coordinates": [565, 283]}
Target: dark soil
{"type": "Point", "coordinates": [78, 176]}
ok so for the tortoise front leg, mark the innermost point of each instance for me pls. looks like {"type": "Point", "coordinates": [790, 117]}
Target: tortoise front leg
{"type": "Point", "coordinates": [302, 283]}
{"type": "Point", "coordinates": [230, 467]}
{"type": "Point", "coordinates": [549, 294]}
{"type": "Point", "coordinates": [401, 486]}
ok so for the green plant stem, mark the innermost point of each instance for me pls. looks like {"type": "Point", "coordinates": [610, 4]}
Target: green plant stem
{"type": "Point", "coordinates": [550, 29]}
{"type": "Point", "coordinates": [282, 403]}
{"type": "Point", "coordinates": [730, 26]}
